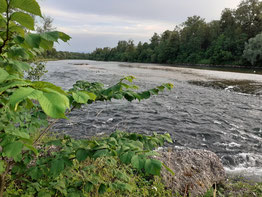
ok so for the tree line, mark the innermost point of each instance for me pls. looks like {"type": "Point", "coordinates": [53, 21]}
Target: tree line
{"type": "Point", "coordinates": [234, 39]}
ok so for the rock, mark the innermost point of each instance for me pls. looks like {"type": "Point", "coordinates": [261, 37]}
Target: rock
{"type": "Point", "coordinates": [196, 171]}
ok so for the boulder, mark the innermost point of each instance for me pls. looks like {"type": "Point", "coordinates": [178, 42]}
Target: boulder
{"type": "Point", "coordinates": [196, 171]}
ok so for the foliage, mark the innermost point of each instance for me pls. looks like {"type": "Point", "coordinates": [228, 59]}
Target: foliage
{"type": "Point", "coordinates": [46, 25]}
{"type": "Point", "coordinates": [194, 41]}
{"type": "Point", "coordinates": [36, 71]}
{"type": "Point", "coordinates": [29, 109]}
{"type": "Point", "coordinates": [236, 187]}
{"type": "Point", "coordinates": [253, 50]}
{"type": "Point", "coordinates": [68, 167]}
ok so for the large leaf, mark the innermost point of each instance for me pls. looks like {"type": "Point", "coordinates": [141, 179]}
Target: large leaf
{"type": "Point", "coordinates": [17, 29]}
{"type": "Point", "coordinates": [13, 150]}
{"type": "Point", "coordinates": [45, 44]}
{"type": "Point", "coordinates": [57, 166]}
{"type": "Point", "coordinates": [64, 36]}
{"type": "Point", "coordinates": [3, 75]}
{"type": "Point", "coordinates": [33, 40]}
{"type": "Point", "coordinates": [3, 6]}
{"type": "Point", "coordinates": [126, 157]}
{"type": "Point", "coordinates": [80, 97]}
{"type": "Point", "coordinates": [101, 153]}
{"type": "Point", "coordinates": [12, 130]}
{"type": "Point", "coordinates": [47, 87]}
{"type": "Point", "coordinates": [34, 172]}
{"type": "Point", "coordinates": [15, 52]}
{"type": "Point", "coordinates": [82, 154]}
{"type": "Point", "coordinates": [23, 19]}
{"type": "Point", "coordinates": [23, 93]}
{"type": "Point", "coordinates": [138, 162]}
{"type": "Point", "coordinates": [51, 36]}
{"type": "Point", "coordinates": [153, 166]}
{"type": "Point", "coordinates": [30, 6]}
{"type": "Point", "coordinates": [54, 104]}
{"type": "Point", "coordinates": [20, 66]}
{"type": "Point", "coordinates": [13, 84]}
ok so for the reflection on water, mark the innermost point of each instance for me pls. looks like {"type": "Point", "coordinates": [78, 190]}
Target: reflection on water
{"type": "Point", "coordinates": [196, 115]}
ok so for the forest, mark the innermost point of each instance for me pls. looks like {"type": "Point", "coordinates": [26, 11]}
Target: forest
{"type": "Point", "coordinates": [235, 39]}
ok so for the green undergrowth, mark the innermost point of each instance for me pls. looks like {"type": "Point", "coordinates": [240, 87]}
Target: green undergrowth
{"type": "Point", "coordinates": [236, 187]}
{"type": "Point", "coordinates": [108, 175]}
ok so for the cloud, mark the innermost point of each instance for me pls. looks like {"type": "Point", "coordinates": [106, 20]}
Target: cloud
{"type": "Point", "coordinates": [101, 22]}
{"type": "Point", "coordinates": [89, 42]}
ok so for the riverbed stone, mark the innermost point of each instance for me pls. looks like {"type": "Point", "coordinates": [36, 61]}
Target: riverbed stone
{"type": "Point", "coordinates": [196, 171]}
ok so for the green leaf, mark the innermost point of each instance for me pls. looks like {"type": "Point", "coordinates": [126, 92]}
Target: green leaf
{"type": "Point", "coordinates": [50, 36]}
{"type": "Point", "coordinates": [138, 162]}
{"type": "Point", "coordinates": [13, 84]}
{"type": "Point", "coordinates": [101, 153]}
{"type": "Point", "coordinates": [64, 36]}
{"type": "Point", "coordinates": [30, 6]}
{"type": "Point", "coordinates": [144, 95]}
{"type": "Point", "coordinates": [3, 75]}
{"type": "Point", "coordinates": [88, 187]}
{"type": "Point", "coordinates": [118, 185]}
{"type": "Point", "coordinates": [33, 40]}
{"type": "Point", "coordinates": [80, 97]}
{"type": "Point", "coordinates": [35, 173]}
{"type": "Point", "coordinates": [153, 166]}
{"type": "Point", "coordinates": [20, 66]}
{"type": "Point", "coordinates": [54, 109]}
{"type": "Point", "coordinates": [168, 169]}
{"type": "Point", "coordinates": [23, 19]}
{"type": "Point", "coordinates": [44, 193]}
{"type": "Point", "coordinates": [2, 166]}
{"type": "Point", "coordinates": [126, 157]}
{"type": "Point", "coordinates": [102, 189]}
{"type": "Point", "coordinates": [13, 150]}
{"type": "Point", "coordinates": [83, 96]}
{"type": "Point", "coordinates": [18, 30]}
{"type": "Point", "coordinates": [45, 44]}
{"type": "Point", "coordinates": [57, 166]}
{"type": "Point", "coordinates": [32, 148]}
{"type": "Point", "coordinates": [3, 6]}
{"type": "Point", "coordinates": [118, 96]}
{"type": "Point", "coordinates": [23, 93]}
{"type": "Point", "coordinates": [82, 154]}
{"type": "Point", "coordinates": [12, 130]}
{"type": "Point", "coordinates": [15, 52]}
{"type": "Point", "coordinates": [48, 87]}
{"type": "Point", "coordinates": [91, 95]}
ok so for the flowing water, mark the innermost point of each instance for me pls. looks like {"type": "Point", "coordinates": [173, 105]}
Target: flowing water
{"type": "Point", "coordinates": [213, 110]}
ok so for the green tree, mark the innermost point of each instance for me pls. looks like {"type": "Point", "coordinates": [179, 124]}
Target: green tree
{"type": "Point", "coordinates": [253, 50]}
{"type": "Point", "coordinates": [193, 40]}
{"type": "Point", "coordinates": [248, 16]}
{"type": "Point", "coordinates": [28, 109]}
{"type": "Point", "coordinates": [45, 24]}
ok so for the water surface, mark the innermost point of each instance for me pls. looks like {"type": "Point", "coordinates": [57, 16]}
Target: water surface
{"type": "Point", "coordinates": [224, 119]}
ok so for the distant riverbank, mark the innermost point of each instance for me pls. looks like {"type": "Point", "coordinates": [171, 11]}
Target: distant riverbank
{"type": "Point", "coordinates": [227, 67]}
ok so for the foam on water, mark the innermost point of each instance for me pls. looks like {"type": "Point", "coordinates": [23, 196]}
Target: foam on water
{"type": "Point", "coordinates": [252, 173]}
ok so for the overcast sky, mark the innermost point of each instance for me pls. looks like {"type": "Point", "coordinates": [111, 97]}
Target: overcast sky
{"type": "Point", "coordinates": [101, 23]}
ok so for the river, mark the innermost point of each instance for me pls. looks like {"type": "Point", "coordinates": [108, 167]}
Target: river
{"type": "Point", "coordinates": [214, 110]}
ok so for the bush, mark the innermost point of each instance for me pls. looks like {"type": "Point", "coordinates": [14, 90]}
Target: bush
{"type": "Point", "coordinates": [28, 110]}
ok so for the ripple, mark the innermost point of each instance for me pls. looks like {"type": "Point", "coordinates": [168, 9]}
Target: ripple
{"type": "Point", "coordinates": [196, 116]}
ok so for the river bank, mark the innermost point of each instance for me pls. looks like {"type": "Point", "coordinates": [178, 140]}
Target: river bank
{"type": "Point", "coordinates": [221, 120]}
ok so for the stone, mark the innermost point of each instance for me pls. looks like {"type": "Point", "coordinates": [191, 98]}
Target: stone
{"type": "Point", "coordinates": [196, 171]}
